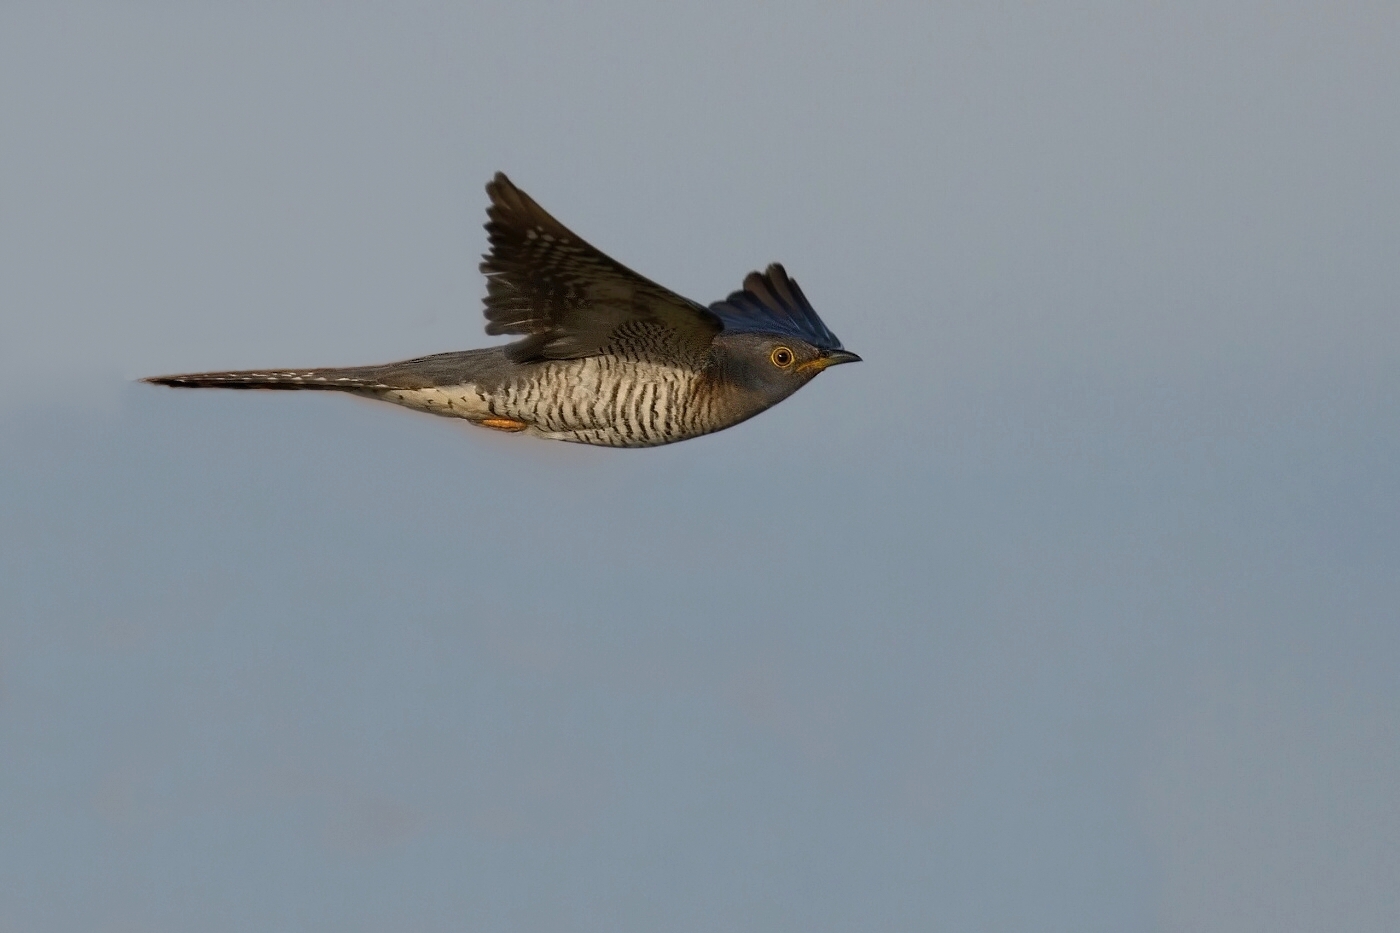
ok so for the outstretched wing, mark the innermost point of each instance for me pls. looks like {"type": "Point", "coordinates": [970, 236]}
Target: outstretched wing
{"type": "Point", "coordinates": [771, 303]}
{"type": "Point", "coordinates": [569, 299]}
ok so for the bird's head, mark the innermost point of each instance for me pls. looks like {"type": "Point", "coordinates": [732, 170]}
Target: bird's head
{"type": "Point", "coordinates": [772, 366]}
{"type": "Point", "coordinates": [773, 342]}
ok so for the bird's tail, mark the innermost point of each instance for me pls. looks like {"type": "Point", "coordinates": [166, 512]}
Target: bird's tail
{"type": "Point", "coordinates": [344, 380]}
{"type": "Point", "coordinates": [487, 365]}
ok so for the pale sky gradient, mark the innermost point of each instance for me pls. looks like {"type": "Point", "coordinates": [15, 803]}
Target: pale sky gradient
{"type": "Point", "coordinates": [1074, 607]}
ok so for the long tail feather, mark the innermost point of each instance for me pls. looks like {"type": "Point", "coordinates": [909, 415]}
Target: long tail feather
{"type": "Point", "coordinates": [478, 366]}
{"type": "Point", "coordinates": [344, 380]}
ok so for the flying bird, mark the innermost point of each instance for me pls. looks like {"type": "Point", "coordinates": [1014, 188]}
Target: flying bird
{"type": "Point", "coordinates": [605, 357]}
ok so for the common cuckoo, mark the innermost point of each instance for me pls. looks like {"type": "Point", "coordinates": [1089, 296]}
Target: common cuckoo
{"type": "Point", "coordinates": [606, 356]}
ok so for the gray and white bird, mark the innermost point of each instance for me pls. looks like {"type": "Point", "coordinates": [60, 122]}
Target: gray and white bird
{"type": "Point", "coordinates": [607, 357]}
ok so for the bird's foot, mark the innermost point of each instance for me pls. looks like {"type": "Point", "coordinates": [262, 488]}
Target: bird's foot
{"type": "Point", "coordinates": [502, 424]}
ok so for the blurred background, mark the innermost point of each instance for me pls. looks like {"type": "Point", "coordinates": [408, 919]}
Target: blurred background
{"type": "Point", "coordinates": [1074, 607]}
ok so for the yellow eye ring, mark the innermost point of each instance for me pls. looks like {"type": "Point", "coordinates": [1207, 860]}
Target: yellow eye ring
{"type": "Point", "coordinates": [781, 357]}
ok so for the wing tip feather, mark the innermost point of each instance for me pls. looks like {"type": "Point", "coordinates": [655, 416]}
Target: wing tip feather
{"type": "Point", "coordinates": [771, 301]}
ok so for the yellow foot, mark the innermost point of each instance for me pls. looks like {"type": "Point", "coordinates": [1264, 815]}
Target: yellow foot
{"type": "Point", "coordinates": [502, 424]}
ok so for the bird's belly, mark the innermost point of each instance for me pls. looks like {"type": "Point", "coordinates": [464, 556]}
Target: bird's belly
{"type": "Point", "coordinates": [605, 401]}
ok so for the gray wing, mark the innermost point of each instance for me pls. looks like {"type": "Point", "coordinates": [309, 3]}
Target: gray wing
{"type": "Point", "coordinates": [569, 299]}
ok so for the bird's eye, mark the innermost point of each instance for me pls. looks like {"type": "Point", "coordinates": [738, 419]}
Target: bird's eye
{"type": "Point", "coordinates": [781, 357]}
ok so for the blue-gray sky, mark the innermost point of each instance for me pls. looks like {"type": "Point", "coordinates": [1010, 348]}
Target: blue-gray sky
{"type": "Point", "coordinates": [1074, 607]}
